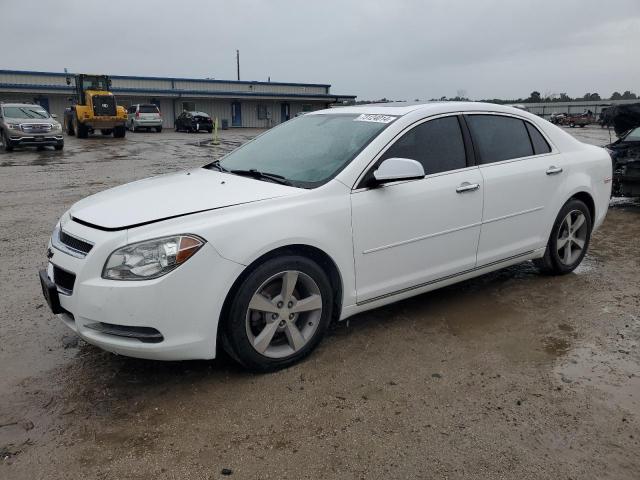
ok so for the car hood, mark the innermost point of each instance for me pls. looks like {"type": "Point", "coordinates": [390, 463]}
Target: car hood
{"type": "Point", "coordinates": [169, 196]}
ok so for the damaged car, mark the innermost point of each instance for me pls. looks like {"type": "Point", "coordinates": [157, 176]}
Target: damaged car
{"type": "Point", "coordinates": [625, 155]}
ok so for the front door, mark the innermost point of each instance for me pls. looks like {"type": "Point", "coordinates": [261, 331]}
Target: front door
{"type": "Point", "coordinates": [285, 112]}
{"type": "Point", "coordinates": [236, 114]}
{"type": "Point", "coordinates": [408, 234]}
{"type": "Point", "coordinates": [522, 186]}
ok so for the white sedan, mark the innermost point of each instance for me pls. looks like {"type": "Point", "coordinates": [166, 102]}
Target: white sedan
{"type": "Point", "coordinates": [330, 214]}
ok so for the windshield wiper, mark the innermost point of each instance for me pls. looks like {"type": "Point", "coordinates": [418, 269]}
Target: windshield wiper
{"type": "Point", "coordinates": [258, 175]}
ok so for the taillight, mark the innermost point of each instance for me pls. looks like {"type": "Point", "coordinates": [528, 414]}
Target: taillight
{"type": "Point", "coordinates": [137, 114]}
{"type": "Point", "coordinates": [160, 114]}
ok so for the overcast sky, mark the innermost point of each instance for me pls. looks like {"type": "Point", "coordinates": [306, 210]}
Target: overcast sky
{"type": "Point", "coordinates": [398, 49]}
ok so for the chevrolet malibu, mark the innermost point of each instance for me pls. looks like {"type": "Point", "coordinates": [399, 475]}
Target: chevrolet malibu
{"type": "Point", "coordinates": [327, 215]}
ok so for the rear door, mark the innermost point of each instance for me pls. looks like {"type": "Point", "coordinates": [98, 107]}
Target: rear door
{"type": "Point", "coordinates": [408, 234]}
{"type": "Point", "coordinates": [523, 180]}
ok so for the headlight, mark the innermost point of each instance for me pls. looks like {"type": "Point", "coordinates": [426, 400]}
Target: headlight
{"type": "Point", "coordinates": [56, 126]}
{"type": "Point", "coordinates": [13, 126]}
{"type": "Point", "coordinates": [151, 258]}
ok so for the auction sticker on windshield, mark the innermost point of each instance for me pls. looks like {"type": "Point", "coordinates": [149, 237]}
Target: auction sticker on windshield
{"type": "Point", "coordinates": [369, 117]}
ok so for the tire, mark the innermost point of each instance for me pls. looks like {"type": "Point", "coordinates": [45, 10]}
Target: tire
{"type": "Point", "coordinates": [6, 143]}
{"type": "Point", "coordinates": [158, 129]}
{"type": "Point", "coordinates": [572, 125]}
{"type": "Point", "coordinates": [59, 146]}
{"type": "Point", "coordinates": [119, 131]}
{"type": "Point", "coordinates": [555, 263]}
{"type": "Point", "coordinates": [290, 335]}
{"type": "Point", "coordinates": [81, 130]}
{"type": "Point", "coordinates": [106, 131]}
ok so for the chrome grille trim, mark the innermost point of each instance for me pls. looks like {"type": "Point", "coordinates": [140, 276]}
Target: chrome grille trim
{"type": "Point", "coordinates": [70, 244]}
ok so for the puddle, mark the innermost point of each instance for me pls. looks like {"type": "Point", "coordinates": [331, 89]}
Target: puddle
{"type": "Point", "coordinates": [613, 373]}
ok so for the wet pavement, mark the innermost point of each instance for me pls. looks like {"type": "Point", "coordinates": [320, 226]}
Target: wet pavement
{"type": "Point", "coordinates": [511, 375]}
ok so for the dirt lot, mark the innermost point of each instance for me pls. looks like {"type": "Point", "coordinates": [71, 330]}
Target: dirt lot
{"type": "Point", "coordinates": [512, 375]}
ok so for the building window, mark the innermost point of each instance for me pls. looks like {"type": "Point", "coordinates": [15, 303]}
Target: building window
{"type": "Point", "coordinates": [264, 112]}
{"type": "Point", "coordinates": [188, 106]}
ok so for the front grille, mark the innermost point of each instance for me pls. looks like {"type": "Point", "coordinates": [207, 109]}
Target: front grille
{"type": "Point", "coordinates": [104, 105]}
{"type": "Point", "coordinates": [64, 279]}
{"type": "Point", "coordinates": [75, 243]}
{"type": "Point", "coordinates": [36, 127]}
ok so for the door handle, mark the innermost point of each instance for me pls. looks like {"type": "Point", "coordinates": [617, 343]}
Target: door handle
{"type": "Point", "coordinates": [553, 170]}
{"type": "Point", "coordinates": [467, 187]}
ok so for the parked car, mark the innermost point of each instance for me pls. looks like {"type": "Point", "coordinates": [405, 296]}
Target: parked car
{"type": "Point", "coordinates": [28, 124]}
{"type": "Point", "coordinates": [577, 120]}
{"type": "Point", "coordinates": [625, 154]}
{"type": "Point", "coordinates": [556, 118]}
{"type": "Point", "coordinates": [322, 217]}
{"type": "Point", "coordinates": [144, 116]}
{"type": "Point", "coordinates": [194, 122]}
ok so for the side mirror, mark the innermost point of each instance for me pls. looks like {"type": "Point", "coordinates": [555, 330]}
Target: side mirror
{"type": "Point", "coordinates": [394, 169]}
{"type": "Point", "coordinates": [54, 116]}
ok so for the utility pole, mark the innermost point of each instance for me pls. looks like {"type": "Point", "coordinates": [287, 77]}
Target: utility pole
{"type": "Point", "coordinates": [238, 62]}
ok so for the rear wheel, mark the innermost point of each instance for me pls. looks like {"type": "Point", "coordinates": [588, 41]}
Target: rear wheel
{"type": "Point", "coordinates": [120, 131]}
{"type": "Point", "coordinates": [569, 240]}
{"type": "Point", "coordinates": [279, 313]}
{"type": "Point", "coordinates": [158, 129]}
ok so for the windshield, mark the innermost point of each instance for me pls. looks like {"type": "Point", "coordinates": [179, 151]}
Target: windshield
{"type": "Point", "coordinates": [25, 111]}
{"type": "Point", "coordinates": [94, 83]}
{"type": "Point", "coordinates": [148, 109]}
{"type": "Point", "coordinates": [308, 150]}
{"type": "Point", "coordinates": [633, 135]}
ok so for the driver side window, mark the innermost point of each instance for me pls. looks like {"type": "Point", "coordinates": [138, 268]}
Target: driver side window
{"type": "Point", "coordinates": [437, 144]}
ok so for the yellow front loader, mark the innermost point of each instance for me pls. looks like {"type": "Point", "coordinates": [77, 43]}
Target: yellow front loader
{"type": "Point", "coordinates": [95, 108]}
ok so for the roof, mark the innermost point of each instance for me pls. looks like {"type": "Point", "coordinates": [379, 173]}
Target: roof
{"type": "Point", "coordinates": [434, 108]}
{"type": "Point", "coordinates": [175, 79]}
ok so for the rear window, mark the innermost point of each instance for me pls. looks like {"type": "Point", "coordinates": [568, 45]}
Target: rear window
{"type": "Point", "coordinates": [499, 138]}
{"type": "Point", "coordinates": [148, 109]}
{"type": "Point", "coordinates": [200, 114]}
{"type": "Point", "coordinates": [540, 145]}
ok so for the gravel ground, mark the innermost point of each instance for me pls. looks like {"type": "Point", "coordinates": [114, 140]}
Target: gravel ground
{"type": "Point", "coordinates": [511, 375]}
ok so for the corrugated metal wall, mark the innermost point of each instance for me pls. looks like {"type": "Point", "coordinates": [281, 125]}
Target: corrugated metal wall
{"type": "Point", "coordinates": [170, 108]}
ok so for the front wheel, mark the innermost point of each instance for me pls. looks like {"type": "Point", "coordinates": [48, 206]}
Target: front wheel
{"type": "Point", "coordinates": [120, 131]}
{"type": "Point", "coordinates": [278, 314]}
{"type": "Point", "coordinates": [5, 142]}
{"type": "Point", "coordinates": [569, 240]}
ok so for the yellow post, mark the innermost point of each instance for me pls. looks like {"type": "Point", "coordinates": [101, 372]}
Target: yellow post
{"type": "Point", "coordinates": [215, 132]}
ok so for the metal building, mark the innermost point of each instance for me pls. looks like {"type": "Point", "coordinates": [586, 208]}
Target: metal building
{"type": "Point", "coordinates": [240, 103]}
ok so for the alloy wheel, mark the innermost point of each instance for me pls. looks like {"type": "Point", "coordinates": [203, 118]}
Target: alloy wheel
{"type": "Point", "coordinates": [572, 237]}
{"type": "Point", "coordinates": [284, 314]}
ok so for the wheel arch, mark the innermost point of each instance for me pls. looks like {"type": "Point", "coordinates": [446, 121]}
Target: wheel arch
{"type": "Point", "coordinates": [319, 256]}
{"type": "Point", "coordinates": [588, 200]}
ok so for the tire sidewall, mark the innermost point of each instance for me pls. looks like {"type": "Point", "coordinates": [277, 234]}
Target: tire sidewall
{"type": "Point", "coordinates": [234, 327]}
{"type": "Point", "coordinates": [571, 205]}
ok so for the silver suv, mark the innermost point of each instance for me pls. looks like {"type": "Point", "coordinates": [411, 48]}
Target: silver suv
{"type": "Point", "coordinates": [28, 124]}
{"type": "Point", "coordinates": [144, 116]}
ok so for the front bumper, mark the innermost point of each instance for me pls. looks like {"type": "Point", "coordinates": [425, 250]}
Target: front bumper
{"type": "Point", "coordinates": [183, 307]}
{"type": "Point", "coordinates": [37, 140]}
